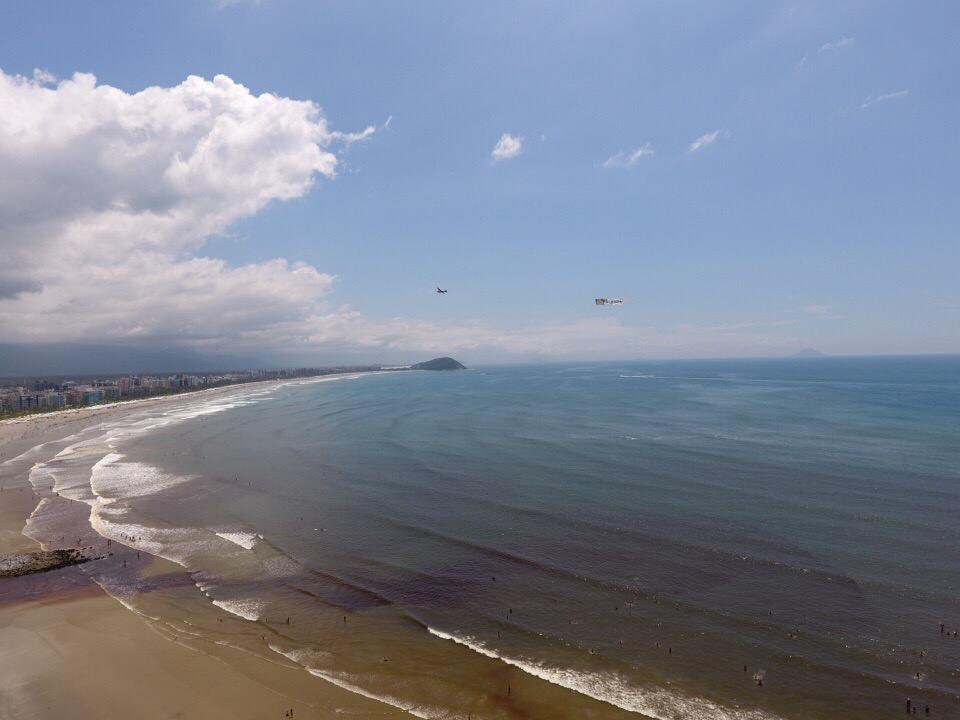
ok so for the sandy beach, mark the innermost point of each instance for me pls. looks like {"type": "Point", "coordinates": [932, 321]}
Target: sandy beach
{"type": "Point", "coordinates": [71, 651]}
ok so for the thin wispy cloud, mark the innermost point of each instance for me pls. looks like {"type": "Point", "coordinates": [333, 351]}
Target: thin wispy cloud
{"type": "Point", "coordinates": [507, 147]}
{"type": "Point", "coordinates": [624, 159]}
{"type": "Point", "coordinates": [705, 140]}
{"type": "Point", "coordinates": [732, 326]}
{"type": "Point", "coordinates": [874, 100]}
{"type": "Point", "coordinates": [837, 44]}
{"type": "Point", "coordinates": [821, 311]}
{"type": "Point", "coordinates": [349, 138]}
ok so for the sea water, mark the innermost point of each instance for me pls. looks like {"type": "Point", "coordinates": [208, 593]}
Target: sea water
{"type": "Point", "coordinates": [702, 539]}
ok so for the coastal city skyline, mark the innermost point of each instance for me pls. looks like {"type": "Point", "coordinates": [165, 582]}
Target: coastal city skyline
{"type": "Point", "coordinates": [43, 394]}
{"type": "Point", "coordinates": [750, 179]}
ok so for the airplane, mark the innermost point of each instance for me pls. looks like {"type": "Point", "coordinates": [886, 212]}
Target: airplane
{"type": "Point", "coordinates": [441, 292]}
{"type": "Point", "coordinates": [604, 301]}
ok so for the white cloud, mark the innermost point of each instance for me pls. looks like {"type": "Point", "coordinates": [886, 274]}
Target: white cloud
{"type": "Point", "coordinates": [107, 197]}
{"type": "Point", "coordinates": [822, 311]}
{"type": "Point", "coordinates": [628, 159]}
{"type": "Point", "coordinates": [705, 140]}
{"type": "Point", "coordinates": [873, 100]}
{"type": "Point", "coordinates": [508, 146]}
{"type": "Point", "coordinates": [841, 42]}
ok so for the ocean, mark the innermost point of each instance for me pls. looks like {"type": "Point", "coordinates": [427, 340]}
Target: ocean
{"type": "Point", "coordinates": [713, 540]}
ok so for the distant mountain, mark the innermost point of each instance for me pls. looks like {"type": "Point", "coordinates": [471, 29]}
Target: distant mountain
{"type": "Point", "coordinates": [809, 353]}
{"type": "Point", "coordinates": [441, 363]}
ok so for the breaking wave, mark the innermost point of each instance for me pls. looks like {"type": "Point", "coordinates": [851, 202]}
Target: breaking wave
{"type": "Point", "coordinates": [613, 688]}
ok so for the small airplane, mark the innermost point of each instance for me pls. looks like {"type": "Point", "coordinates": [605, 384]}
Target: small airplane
{"type": "Point", "coordinates": [441, 292]}
{"type": "Point", "coordinates": [605, 301]}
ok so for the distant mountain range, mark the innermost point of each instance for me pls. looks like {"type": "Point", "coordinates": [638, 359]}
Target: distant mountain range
{"type": "Point", "coordinates": [808, 353]}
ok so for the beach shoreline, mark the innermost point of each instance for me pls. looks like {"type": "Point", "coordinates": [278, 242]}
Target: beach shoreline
{"type": "Point", "coordinates": [70, 650]}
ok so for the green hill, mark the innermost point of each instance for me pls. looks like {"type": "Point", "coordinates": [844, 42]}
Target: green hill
{"type": "Point", "coordinates": [441, 363]}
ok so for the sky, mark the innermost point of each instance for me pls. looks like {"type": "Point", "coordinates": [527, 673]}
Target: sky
{"type": "Point", "coordinates": [293, 180]}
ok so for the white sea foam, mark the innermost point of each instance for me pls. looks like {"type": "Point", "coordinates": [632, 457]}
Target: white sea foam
{"type": "Point", "coordinates": [176, 544]}
{"type": "Point", "coordinates": [614, 689]}
{"type": "Point", "coordinates": [339, 680]}
{"type": "Point", "coordinates": [303, 656]}
{"type": "Point", "coordinates": [40, 477]}
{"type": "Point", "coordinates": [246, 540]}
{"type": "Point", "coordinates": [112, 479]}
{"type": "Point", "coordinates": [246, 608]}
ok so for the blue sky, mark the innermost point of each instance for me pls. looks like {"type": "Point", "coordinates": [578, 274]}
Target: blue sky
{"type": "Point", "coordinates": [822, 214]}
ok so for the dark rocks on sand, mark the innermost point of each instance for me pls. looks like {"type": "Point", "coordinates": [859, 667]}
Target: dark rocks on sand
{"type": "Point", "coordinates": [28, 563]}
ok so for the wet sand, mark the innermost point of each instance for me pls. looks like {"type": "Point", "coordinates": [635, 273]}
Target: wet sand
{"type": "Point", "coordinates": [68, 650]}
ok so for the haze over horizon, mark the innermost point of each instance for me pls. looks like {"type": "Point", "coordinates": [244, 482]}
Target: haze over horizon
{"type": "Point", "coordinates": [290, 182]}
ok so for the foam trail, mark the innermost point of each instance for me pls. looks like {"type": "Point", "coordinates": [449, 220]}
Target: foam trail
{"type": "Point", "coordinates": [246, 609]}
{"type": "Point", "coordinates": [37, 449]}
{"type": "Point", "coordinates": [613, 689]}
{"type": "Point", "coordinates": [111, 479]}
{"type": "Point", "coordinates": [246, 540]}
{"type": "Point", "coordinates": [386, 699]}
{"type": "Point", "coordinates": [300, 658]}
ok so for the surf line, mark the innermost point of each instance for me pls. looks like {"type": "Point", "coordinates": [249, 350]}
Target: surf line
{"type": "Point", "coordinates": [616, 691]}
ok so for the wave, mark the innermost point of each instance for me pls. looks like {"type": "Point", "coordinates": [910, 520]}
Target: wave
{"type": "Point", "coordinates": [613, 689]}
{"type": "Point", "coordinates": [37, 449]}
{"type": "Point", "coordinates": [347, 682]}
{"type": "Point", "coordinates": [111, 479]}
{"type": "Point", "coordinates": [338, 680]}
{"type": "Point", "coordinates": [246, 540]}
{"type": "Point", "coordinates": [246, 608]}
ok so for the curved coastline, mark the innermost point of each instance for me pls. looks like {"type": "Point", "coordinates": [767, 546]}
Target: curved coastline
{"type": "Point", "coordinates": [70, 611]}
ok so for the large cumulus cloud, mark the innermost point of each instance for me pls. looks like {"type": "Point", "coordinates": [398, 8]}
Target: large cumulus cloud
{"type": "Point", "coordinates": [106, 197]}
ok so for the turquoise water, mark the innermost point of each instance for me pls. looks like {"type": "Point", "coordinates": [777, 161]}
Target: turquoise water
{"type": "Point", "coordinates": [590, 540]}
